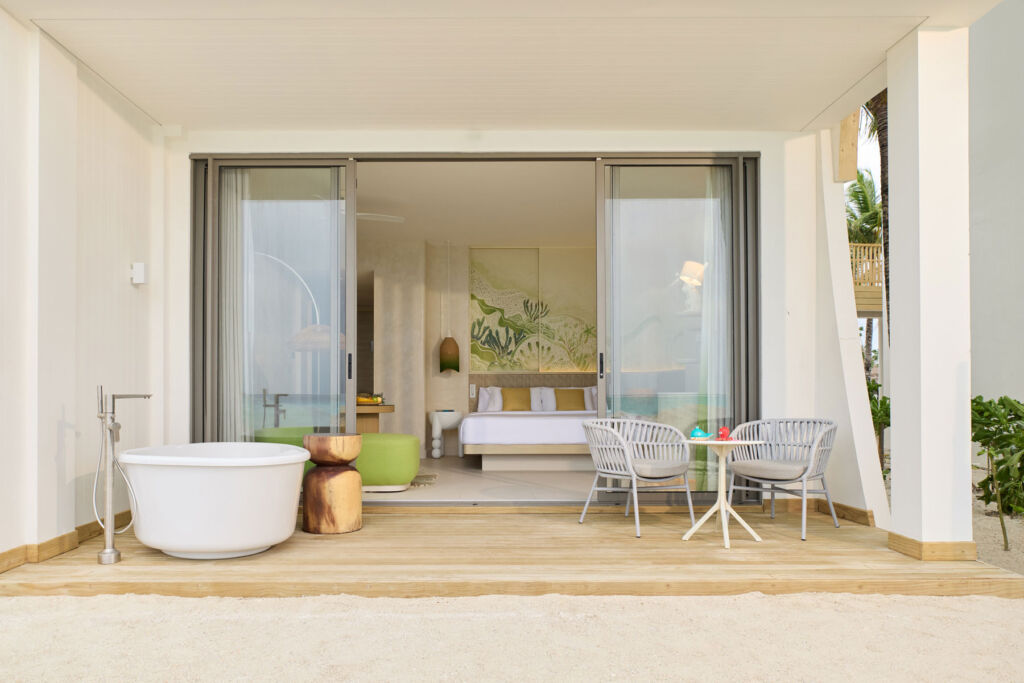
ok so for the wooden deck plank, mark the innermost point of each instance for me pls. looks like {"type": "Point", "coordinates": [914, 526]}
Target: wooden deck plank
{"type": "Point", "coordinates": [420, 555]}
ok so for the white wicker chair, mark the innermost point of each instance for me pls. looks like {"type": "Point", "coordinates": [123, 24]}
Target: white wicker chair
{"type": "Point", "coordinates": [638, 451]}
{"type": "Point", "coordinates": [795, 451]}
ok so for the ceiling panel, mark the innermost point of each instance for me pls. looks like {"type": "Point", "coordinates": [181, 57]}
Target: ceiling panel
{"type": "Point", "coordinates": [483, 72]}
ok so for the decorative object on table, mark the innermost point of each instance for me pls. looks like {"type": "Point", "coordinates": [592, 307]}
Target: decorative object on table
{"type": "Point", "coordinates": [388, 462]}
{"type": "Point", "coordinates": [441, 420]}
{"type": "Point", "coordinates": [369, 399]}
{"type": "Point", "coordinates": [723, 434]}
{"type": "Point", "coordinates": [333, 490]}
{"type": "Point", "coordinates": [449, 354]}
{"type": "Point", "coordinates": [698, 433]}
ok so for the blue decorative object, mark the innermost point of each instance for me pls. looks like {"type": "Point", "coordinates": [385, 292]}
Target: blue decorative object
{"type": "Point", "coordinates": [698, 433]}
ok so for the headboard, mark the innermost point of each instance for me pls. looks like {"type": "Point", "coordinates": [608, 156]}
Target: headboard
{"type": "Point", "coordinates": [529, 379]}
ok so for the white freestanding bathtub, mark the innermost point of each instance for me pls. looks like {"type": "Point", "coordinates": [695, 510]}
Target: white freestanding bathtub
{"type": "Point", "coordinates": [209, 501]}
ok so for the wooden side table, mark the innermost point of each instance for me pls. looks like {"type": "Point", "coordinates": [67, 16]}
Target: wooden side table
{"type": "Point", "coordinates": [333, 490]}
{"type": "Point", "coordinates": [368, 417]}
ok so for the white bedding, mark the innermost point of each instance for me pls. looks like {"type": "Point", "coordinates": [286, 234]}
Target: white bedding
{"type": "Point", "coordinates": [525, 427]}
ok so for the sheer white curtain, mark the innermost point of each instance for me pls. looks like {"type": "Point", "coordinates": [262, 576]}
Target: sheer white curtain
{"type": "Point", "coordinates": [235, 297]}
{"type": "Point", "coordinates": [716, 324]}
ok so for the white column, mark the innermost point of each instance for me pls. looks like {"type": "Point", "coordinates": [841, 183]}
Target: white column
{"type": "Point", "coordinates": [930, 298]}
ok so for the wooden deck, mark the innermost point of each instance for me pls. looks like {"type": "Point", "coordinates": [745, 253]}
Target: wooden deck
{"type": "Point", "coordinates": [413, 554]}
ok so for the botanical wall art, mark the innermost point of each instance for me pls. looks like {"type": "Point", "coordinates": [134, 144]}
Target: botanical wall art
{"type": "Point", "coordinates": [533, 310]}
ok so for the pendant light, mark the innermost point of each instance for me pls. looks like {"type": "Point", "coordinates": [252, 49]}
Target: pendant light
{"type": "Point", "coordinates": [449, 347]}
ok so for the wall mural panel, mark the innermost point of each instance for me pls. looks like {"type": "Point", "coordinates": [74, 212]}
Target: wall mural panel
{"type": "Point", "coordinates": [533, 310]}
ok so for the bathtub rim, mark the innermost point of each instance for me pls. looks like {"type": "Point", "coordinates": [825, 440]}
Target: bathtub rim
{"type": "Point", "coordinates": [178, 455]}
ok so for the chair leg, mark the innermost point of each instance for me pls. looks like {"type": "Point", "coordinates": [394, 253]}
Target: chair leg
{"type": "Point", "coordinates": [773, 503]}
{"type": "Point", "coordinates": [828, 498]}
{"type": "Point", "coordinates": [689, 500]}
{"type": "Point", "coordinates": [626, 513]}
{"type": "Point", "coordinates": [636, 509]}
{"type": "Point", "coordinates": [803, 512]}
{"type": "Point", "coordinates": [589, 496]}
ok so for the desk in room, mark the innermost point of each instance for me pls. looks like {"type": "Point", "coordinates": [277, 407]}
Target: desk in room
{"type": "Point", "coordinates": [368, 417]}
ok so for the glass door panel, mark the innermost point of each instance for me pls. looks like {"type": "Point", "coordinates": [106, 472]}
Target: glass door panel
{"type": "Point", "coordinates": [668, 290]}
{"type": "Point", "coordinates": [282, 359]}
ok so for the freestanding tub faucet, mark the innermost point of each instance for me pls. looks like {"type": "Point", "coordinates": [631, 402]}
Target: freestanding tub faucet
{"type": "Point", "coordinates": [110, 430]}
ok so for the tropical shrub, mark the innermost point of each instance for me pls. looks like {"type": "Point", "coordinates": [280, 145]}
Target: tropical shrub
{"type": "Point", "coordinates": [879, 416]}
{"type": "Point", "coordinates": [997, 426]}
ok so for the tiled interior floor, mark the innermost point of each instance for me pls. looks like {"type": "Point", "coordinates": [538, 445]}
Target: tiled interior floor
{"type": "Point", "coordinates": [461, 481]}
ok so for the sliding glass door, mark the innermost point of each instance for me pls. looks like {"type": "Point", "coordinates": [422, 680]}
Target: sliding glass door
{"type": "Point", "coordinates": [280, 300]}
{"type": "Point", "coordinates": [672, 271]}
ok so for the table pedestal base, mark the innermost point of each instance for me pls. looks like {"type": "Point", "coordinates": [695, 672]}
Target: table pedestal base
{"type": "Point", "coordinates": [721, 506]}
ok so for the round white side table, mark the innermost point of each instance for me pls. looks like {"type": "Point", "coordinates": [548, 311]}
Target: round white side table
{"type": "Point", "coordinates": [441, 420]}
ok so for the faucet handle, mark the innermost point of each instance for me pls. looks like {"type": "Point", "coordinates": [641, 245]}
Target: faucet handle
{"type": "Point", "coordinates": [115, 431]}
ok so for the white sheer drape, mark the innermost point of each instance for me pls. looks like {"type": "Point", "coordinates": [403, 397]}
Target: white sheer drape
{"type": "Point", "coordinates": [234, 286]}
{"type": "Point", "coordinates": [716, 325]}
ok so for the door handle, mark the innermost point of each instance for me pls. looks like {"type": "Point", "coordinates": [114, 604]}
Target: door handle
{"type": "Point", "coordinates": [350, 366]}
{"type": "Point", "coordinates": [600, 366]}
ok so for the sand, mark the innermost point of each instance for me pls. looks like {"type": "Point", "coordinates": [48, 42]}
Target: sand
{"type": "Point", "coordinates": [989, 538]}
{"type": "Point", "coordinates": [819, 637]}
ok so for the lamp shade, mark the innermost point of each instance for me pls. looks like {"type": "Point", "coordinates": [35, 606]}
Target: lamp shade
{"type": "Point", "coordinates": [692, 273]}
{"type": "Point", "coordinates": [449, 354]}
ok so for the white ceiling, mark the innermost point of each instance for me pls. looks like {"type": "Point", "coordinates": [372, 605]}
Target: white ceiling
{"type": "Point", "coordinates": [465, 64]}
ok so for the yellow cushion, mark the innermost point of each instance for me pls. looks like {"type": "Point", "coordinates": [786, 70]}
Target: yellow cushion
{"type": "Point", "coordinates": [515, 399]}
{"type": "Point", "coordinates": [569, 399]}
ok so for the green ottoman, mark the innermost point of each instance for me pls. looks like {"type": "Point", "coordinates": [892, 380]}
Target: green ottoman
{"type": "Point", "coordinates": [388, 462]}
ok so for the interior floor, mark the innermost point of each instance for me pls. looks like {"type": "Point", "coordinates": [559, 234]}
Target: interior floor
{"type": "Point", "coordinates": [461, 481]}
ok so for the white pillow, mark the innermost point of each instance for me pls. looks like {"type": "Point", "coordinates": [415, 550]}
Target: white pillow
{"type": "Point", "coordinates": [590, 398]}
{"type": "Point", "coordinates": [536, 399]}
{"type": "Point", "coordinates": [494, 402]}
{"type": "Point", "coordinates": [547, 399]}
{"type": "Point", "coordinates": [483, 398]}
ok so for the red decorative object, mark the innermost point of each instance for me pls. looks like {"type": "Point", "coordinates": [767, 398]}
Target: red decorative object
{"type": "Point", "coordinates": [723, 434]}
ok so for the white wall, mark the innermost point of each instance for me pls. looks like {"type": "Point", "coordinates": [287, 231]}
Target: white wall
{"type": "Point", "coordinates": [75, 210]}
{"type": "Point", "coordinates": [997, 203]}
{"type": "Point", "coordinates": [17, 469]}
{"type": "Point", "coordinates": [398, 302]}
{"type": "Point", "coordinates": [116, 151]}
{"type": "Point", "coordinates": [54, 281]}
{"type": "Point", "coordinates": [447, 389]}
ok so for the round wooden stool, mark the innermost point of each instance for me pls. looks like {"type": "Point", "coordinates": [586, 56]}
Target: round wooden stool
{"type": "Point", "coordinates": [333, 490]}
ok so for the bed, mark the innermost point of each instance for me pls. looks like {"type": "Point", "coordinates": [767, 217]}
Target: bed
{"type": "Point", "coordinates": [489, 432]}
{"type": "Point", "coordinates": [536, 439]}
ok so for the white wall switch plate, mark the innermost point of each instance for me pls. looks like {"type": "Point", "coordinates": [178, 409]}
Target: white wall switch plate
{"type": "Point", "coordinates": [472, 391]}
{"type": "Point", "coordinates": [138, 273]}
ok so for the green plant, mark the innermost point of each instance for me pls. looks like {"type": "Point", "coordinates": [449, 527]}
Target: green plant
{"type": "Point", "coordinates": [879, 416]}
{"type": "Point", "coordinates": [997, 426]}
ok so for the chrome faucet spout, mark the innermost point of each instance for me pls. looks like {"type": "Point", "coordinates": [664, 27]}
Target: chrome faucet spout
{"type": "Point", "coordinates": [110, 435]}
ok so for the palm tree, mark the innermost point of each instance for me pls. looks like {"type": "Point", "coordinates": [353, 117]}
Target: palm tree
{"type": "Point", "coordinates": [877, 111]}
{"type": "Point", "coordinates": [864, 226]}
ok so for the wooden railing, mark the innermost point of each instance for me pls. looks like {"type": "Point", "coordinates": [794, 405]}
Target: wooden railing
{"type": "Point", "coordinates": [866, 263]}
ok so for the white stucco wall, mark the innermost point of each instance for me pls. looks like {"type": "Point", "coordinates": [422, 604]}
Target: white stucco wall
{"type": "Point", "coordinates": [997, 203]}
{"type": "Point", "coordinates": [17, 468]}
{"type": "Point", "coordinates": [75, 211]}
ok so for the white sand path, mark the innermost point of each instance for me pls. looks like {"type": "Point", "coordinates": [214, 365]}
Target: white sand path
{"type": "Point", "coordinates": [809, 637]}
